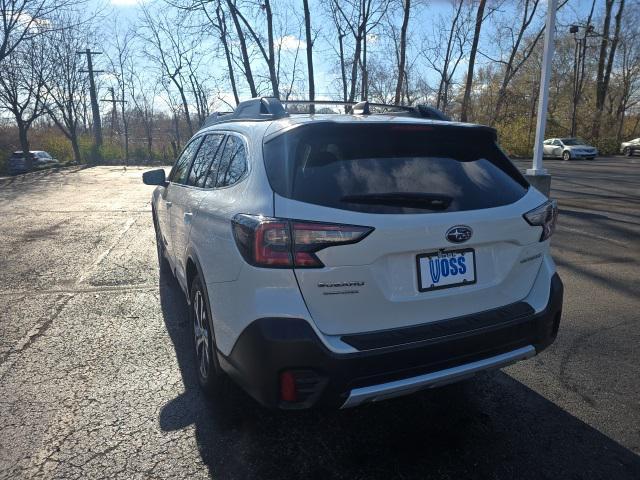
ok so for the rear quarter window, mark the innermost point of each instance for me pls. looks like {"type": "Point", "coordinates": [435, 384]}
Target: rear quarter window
{"type": "Point", "coordinates": [392, 168]}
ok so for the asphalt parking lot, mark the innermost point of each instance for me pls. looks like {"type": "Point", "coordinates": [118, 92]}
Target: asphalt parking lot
{"type": "Point", "coordinates": [97, 378]}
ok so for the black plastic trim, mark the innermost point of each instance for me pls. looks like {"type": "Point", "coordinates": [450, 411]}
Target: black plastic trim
{"type": "Point", "coordinates": [429, 331]}
{"type": "Point", "coordinates": [270, 345]}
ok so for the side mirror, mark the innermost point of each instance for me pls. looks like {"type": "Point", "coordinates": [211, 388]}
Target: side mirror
{"type": "Point", "coordinates": [154, 177]}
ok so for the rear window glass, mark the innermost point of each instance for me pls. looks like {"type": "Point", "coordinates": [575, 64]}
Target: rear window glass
{"type": "Point", "coordinates": [206, 154]}
{"type": "Point", "coordinates": [233, 162]}
{"type": "Point", "coordinates": [392, 168]}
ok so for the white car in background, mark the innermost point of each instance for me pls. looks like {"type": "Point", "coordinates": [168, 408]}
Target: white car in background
{"type": "Point", "coordinates": [631, 147]}
{"type": "Point", "coordinates": [350, 258]}
{"type": "Point", "coordinates": [568, 149]}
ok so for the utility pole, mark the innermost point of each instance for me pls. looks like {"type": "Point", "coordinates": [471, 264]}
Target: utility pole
{"type": "Point", "coordinates": [97, 127]}
{"type": "Point", "coordinates": [114, 112]}
{"type": "Point", "coordinates": [114, 119]}
{"type": "Point", "coordinates": [537, 175]}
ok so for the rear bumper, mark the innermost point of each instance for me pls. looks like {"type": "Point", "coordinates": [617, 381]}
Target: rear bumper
{"type": "Point", "coordinates": [271, 345]}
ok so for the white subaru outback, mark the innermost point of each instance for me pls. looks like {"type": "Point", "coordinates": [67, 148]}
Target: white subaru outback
{"type": "Point", "coordinates": [350, 258]}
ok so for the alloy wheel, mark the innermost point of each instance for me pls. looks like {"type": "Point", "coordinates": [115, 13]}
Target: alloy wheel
{"type": "Point", "coordinates": [201, 334]}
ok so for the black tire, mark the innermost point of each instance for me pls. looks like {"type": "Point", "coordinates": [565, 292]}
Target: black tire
{"type": "Point", "coordinates": [566, 156]}
{"type": "Point", "coordinates": [163, 263]}
{"type": "Point", "coordinates": [210, 375]}
{"type": "Point", "coordinates": [627, 152]}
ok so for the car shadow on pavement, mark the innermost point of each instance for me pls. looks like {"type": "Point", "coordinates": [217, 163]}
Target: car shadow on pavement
{"type": "Point", "coordinates": [489, 427]}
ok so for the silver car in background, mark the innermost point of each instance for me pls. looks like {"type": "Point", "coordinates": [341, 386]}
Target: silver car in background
{"type": "Point", "coordinates": [630, 147]}
{"type": "Point", "coordinates": [568, 149]}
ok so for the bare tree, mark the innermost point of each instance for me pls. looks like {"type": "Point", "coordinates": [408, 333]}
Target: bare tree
{"type": "Point", "coordinates": [402, 53]}
{"type": "Point", "coordinates": [472, 60]}
{"type": "Point", "coordinates": [360, 18]}
{"type": "Point", "coordinates": [627, 72]}
{"type": "Point", "coordinates": [171, 51]}
{"type": "Point", "coordinates": [309, 38]}
{"type": "Point", "coordinates": [66, 85]}
{"type": "Point", "coordinates": [22, 86]}
{"type": "Point", "coordinates": [518, 51]}
{"type": "Point", "coordinates": [246, 61]}
{"type": "Point", "coordinates": [448, 49]}
{"type": "Point", "coordinates": [341, 31]}
{"type": "Point", "coordinates": [143, 95]}
{"type": "Point", "coordinates": [580, 56]}
{"type": "Point", "coordinates": [21, 20]}
{"type": "Point", "coordinates": [268, 53]}
{"type": "Point", "coordinates": [122, 69]}
{"type": "Point", "coordinates": [605, 61]}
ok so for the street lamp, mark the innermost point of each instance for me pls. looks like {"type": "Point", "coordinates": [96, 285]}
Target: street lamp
{"type": "Point", "coordinates": [537, 175]}
{"type": "Point", "coordinates": [579, 56]}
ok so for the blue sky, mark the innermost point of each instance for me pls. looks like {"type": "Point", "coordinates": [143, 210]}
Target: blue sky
{"type": "Point", "coordinates": [325, 60]}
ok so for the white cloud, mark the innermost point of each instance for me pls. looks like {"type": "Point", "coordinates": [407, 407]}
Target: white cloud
{"type": "Point", "coordinates": [289, 42]}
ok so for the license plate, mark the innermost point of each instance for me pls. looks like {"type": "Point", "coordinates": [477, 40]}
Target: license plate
{"type": "Point", "coordinates": [446, 269]}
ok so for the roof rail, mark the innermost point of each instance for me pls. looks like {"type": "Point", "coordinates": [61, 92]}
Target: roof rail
{"type": "Point", "coordinates": [271, 108]}
{"type": "Point", "coordinates": [256, 109]}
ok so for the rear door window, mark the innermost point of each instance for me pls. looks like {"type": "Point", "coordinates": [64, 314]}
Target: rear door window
{"type": "Point", "coordinates": [392, 168]}
{"type": "Point", "coordinates": [204, 158]}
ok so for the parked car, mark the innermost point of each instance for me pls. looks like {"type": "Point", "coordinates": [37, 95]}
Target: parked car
{"type": "Point", "coordinates": [631, 147]}
{"type": "Point", "coordinates": [568, 149]}
{"type": "Point", "coordinates": [43, 158]}
{"type": "Point", "coordinates": [18, 163]}
{"type": "Point", "coordinates": [351, 258]}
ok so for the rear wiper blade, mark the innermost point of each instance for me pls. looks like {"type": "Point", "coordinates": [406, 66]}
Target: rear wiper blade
{"type": "Point", "coordinates": [425, 201]}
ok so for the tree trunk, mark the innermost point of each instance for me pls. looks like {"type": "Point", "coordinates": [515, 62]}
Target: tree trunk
{"type": "Point", "coordinates": [365, 80]}
{"type": "Point", "coordinates": [176, 126]}
{"type": "Point", "coordinates": [125, 128]}
{"type": "Point", "coordinates": [472, 60]}
{"type": "Point", "coordinates": [271, 61]}
{"type": "Point", "coordinates": [307, 28]}
{"type": "Point", "coordinates": [23, 129]}
{"type": "Point", "coordinates": [601, 91]}
{"type": "Point", "coordinates": [222, 28]}
{"type": "Point", "coordinates": [149, 144]}
{"type": "Point", "coordinates": [74, 145]}
{"type": "Point", "coordinates": [343, 68]}
{"type": "Point", "coordinates": [185, 106]}
{"type": "Point", "coordinates": [403, 51]}
{"type": "Point", "coordinates": [243, 48]}
{"type": "Point", "coordinates": [354, 69]}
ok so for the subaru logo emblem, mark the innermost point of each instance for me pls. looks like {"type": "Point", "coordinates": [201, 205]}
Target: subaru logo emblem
{"type": "Point", "coordinates": [459, 234]}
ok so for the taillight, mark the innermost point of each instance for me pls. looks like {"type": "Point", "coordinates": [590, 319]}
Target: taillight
{"type": "Point", "coordinates": [284, 243]}
{"type": "Point", "coordinates": [544, 216]}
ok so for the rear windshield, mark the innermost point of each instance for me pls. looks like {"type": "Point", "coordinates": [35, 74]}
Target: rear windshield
{"type": "Point", "coordinates": [392, 168]}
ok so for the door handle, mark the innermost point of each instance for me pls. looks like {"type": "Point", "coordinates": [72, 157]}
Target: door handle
{"type": "Point", "coordinates": [168, 204]}
{"type": "Point", "coordinates": [187, 217]}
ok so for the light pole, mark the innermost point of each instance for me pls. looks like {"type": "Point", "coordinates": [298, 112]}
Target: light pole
{"type": "Point", "coordinates": [537, 175]}
{"type": "Point", "coordinates": [579, 56]}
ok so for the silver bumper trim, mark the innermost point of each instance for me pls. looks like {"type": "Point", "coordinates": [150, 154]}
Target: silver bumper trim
{"type": "Point", "coordinates": [383, 391]}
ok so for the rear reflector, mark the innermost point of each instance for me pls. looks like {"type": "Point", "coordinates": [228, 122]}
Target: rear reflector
{"type": "Point", "coordinates": [288, 391]}
{"type": "Point", "coordinates": [283, 243]}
